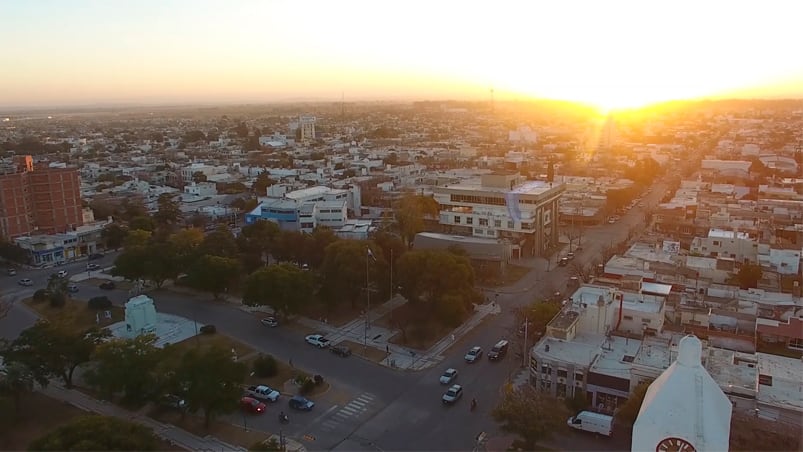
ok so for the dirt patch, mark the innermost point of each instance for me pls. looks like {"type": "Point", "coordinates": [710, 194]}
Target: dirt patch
{"type": "Point", "coordinates": [370, 353]}
{"type": "Point", "coordinates": [39, 415]}
{"type": "Point", "coordinates": [75, 314]}
{"type": "Point", "coordinates": [236, 435]}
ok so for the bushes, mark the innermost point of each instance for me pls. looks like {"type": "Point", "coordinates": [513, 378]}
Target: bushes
{"type": "Point", "coordinates": [307, 384]}
{"type": "Point", "coordinates": [41, 295]}
{"type": "Point", "coordinates": [265, 366]}
{"type": "Point", "coordinates": [98, 303]}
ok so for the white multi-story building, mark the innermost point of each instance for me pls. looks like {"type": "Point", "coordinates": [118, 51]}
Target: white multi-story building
{"type": "Point", "coordinates": [200, 189]}
{"type": "Point", "coordinates": [726, 244]}
{"type": "Point", "coordinates": [503, 207]}
{"type": "Point", "coordinates": [307, 125]}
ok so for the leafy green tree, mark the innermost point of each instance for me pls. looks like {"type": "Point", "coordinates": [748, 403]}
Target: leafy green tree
{"type": "Point", "coordinates": [51, 349]}
{"type": "Point", "coordinates": [256, 241]}
{"type": "Point", "coordinates": [186, 244]}
{"type": "Point", "coordinates": [168, 213]}
{"type": "Point", "coordinates": [131, 263]}
{"type": "Point", "coordinates": [161, 263]}
{"type": "Point", "coordinates": [428, 275]}
{"type": "Point", "coordinates": [137, 237]}
{"type": "Point", "coordinates": [410, 215]}
{"type": "Point", "coordinates": [538, 315]}
{"type": "Point", "coordinates": [144, 223]}
{"type": "Point", "coordinates": [114, 235]}
{"type": "Point", "coordinates": [284, 287]}
{"type": "Point", "coordinates": [748, 276]}
{"type": "Point", "coordinates": [220, 242]}
{"type": "Point", "coordinates": [127, 366]}
{"type": "Point", "coordinates": [628, 412]}
{"type": "Point", "coordinates": [289, 246]}
{"type": "Point", "coordinates": [16, 381]}
{"type": "Point", "coordinates": [343, 272]}
{"type": "Point", "coordinates": [95, 432]}
{"type": "Point", "coordinates": [212, 381]}
{"type": "Point", "coordinates": [132, 208]}
{"type": "Point", "coordinates": [57, 290]}
{"type": "Point", "coordinates": [519, 407]}
{"type": "Point", "coordinates": [214, 274]}
{"type": "Point", "coordinates": [315, 244]}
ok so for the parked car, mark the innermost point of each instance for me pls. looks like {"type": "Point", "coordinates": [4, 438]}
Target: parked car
{"type": "Point", "coordinates": [62, 273]}
{"type": "Point", "coordinates": [173, 401]}
{"type": "Point", "coordinates": [564, 261]}
{"type": "Point", "coordinates": [452, 395]}
{"type": "Point", "coordinates": [498, 351]}
{"type": "Point", "coordinates": [448, 376]}
{"type": "Point", "coordinates": [341, 350]}
{"type": "Point", "coordinates": [108, 285]}
{"type": "Point", "coordinates": [592, 422]}
{"type": "Point", "coordinates": [93, 267]}
{"type": "Point", "coordinates": [317, 340]}
{"type": "Point", "coordinates": [11, 272]}
{"type": "Point", "coordinates": [301, 403]}
{"type": "Point", "coordinates": [25, 282]}
{"type": "Point", "coordinates": [252, 405]}
{"type": "Point", "coordinates": [270, 321]}
{"type": "Point", "coordinates": [262, 392]}
{"type": "Point", "coordinates": [474, 354]}
{"type": "Point", "coordinates": [72, 288]}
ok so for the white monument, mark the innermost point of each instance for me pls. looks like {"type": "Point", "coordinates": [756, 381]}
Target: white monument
{"type": "Point", "coordinates": [140, 316]}
{"type": "Point", "coordinates": [684, 409]}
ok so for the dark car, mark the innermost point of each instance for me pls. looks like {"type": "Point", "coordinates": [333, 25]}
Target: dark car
{"type": "Point", "coordinates": [95, 256]}
{"type": "Point", "coordinates": [92, 267]}
{"type": "Point", "coordinates": [498, 351]}
{"type": "Point", "coordinates": [341, 350]}
{"type": "Point", "coordinates": [301, 403]}
{"type": "Point", "coordinates": [270, 322]}
{"type": "Point", "coordinates": [108, 285]}
{"type": "Point", "coordinates": [208, 329]}
{"type": "Point", "coordinates": [72, 288]}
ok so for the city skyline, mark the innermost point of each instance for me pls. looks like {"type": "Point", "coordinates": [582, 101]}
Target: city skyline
{"type": "Point", "coordinates": [612, 55]}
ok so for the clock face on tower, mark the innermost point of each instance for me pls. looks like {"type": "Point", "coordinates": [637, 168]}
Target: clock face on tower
{"type": "Point", "coordinates": [674, 445]}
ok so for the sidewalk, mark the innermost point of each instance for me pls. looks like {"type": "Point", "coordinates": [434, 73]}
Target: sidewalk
{"type": "Point", "coordinates": [173, 435]}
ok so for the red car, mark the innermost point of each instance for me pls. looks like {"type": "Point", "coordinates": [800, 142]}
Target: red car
{"type": "Point", "coordinates": [252, 405]}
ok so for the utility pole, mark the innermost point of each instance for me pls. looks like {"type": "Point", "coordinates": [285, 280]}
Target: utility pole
{"type": "Point", "coordinates": [391, 286]}
{"type": "Point", "coordinates": [524, 352]}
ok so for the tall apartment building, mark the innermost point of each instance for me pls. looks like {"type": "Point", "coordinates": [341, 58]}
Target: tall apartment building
{"type": "Point", "coordinates": [307, 125]}
{"type": "Point", "coordinates": [41, 201]}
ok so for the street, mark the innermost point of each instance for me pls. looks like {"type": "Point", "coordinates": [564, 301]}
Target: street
{"type": "Point", "coordinates": [371, 407]}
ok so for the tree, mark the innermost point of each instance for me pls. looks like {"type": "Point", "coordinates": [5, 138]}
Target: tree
{"type": "Point", "coordinates": [57, 289]}
{"type": "Point", "coordinates": [433, 276]}
{"type": "Point", "coordinates": [284, 287]}
{"type": "Point", "coordinates": [531, 414]}
{"type": "Point", "coordinates": [219, 242]}
{"type": "Point", "coordinates": [749, 276]}
{"type": "Point", "coordinates": [212, 381]}
{"type": "Point", "coordinates": [50, 349]}
{"type": "Point", "coordinates": [14, 252]}
{"type": "Point", "coordinates": [538, 315]}
{"type": "Point", "coordinates": [16, 381]}
{"type": "Point", "coordinates": [186, 244]}
{"type": "Point", "coordinates": [168, 213]}
{"type": "Point", "coordinates": [198, 176]}
{"type": "Point", "coordinates": [343, 271]}
{"type": "Point", "coordinates": [131, 263]}
{"type": "Point", "coordinates": [136, 237]}
{"type": "Point", "coordinates": [289, 246]}
{"type": "Point", "coordinates": [256, 241]}
{"type": "Point", "coordinates": [410, 215]}
{"type": "Point", "coordinates": [315, 244]}
{"type": "Point", "coordinates": [126, 365]}
{"type": "Point", "coordinates": [98, 433]}
{"type": "Point", "coordinates": [628, 412]}
{"type": "Point", "coordinates": [214, 274]}
{"type": "Point", "coordinates": [144, 223]}
{"type": "Point", "coordinates": [261, 184]}
{"type": "Point", "coordinates": [113, 235]}
{"type": "Point", "coordinates": [132, 208]}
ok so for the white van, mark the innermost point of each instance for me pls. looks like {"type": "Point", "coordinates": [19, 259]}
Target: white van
{"type": "Point", "coordinates": [592, 422]}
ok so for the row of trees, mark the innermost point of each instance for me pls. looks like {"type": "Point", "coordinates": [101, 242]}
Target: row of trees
{"type": "Point", "coordinates": [133, 370]}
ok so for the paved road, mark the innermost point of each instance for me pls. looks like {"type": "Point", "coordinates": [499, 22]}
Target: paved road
{"type": "Point", "coordinates": [372, 407]}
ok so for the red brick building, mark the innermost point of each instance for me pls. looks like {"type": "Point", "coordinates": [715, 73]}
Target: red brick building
{"type": "Point", "coordinates": [38, 201]}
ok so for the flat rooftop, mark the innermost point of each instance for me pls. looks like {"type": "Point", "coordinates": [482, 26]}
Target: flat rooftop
{"type": "Point", "coordinates": [723, 234]}
{"type": "Point", "coordinates": [581, 351]}
{"type": "Point", "coordinates": [785, 385]}
{"type": "Point", "coordinates": [616, 357]}
{"type": "Point", "coordinates": [527, 188]}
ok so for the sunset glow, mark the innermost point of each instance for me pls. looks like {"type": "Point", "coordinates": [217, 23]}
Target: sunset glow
{"type": "Point", "coordinates": [612, 54]}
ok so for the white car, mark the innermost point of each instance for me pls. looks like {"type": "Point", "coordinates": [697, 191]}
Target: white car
{"type": "Point", "coordinates": [448, 376]}
{"type": "Point", "coordinates": [317, 340]}
{"type": "Point", "coordinates": [62, 273]}
{"type": "Point", "coordinates": [452, 395]}
{"type": "Point", "coordinates": [25, 282]}
{"type": "Point", "coordinates": [474, 354]}
{"type": "Point", "coordinates": [262, 392]}
{"type": "Point", "coordinates": [270, 321]}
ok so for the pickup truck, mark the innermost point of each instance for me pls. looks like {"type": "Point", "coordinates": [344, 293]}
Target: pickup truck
{"type": "Point", "coordinates": [262, 392]}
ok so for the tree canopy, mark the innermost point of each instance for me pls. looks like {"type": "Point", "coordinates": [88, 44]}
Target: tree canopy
{"type": "Point", "coordinates": [284, 287]}
{"type": "Point", "coordinates": [531, 414]}
{"type": "Point", "coordinates": [126, 366]}
{"type": "Point", "coordinates": [91, 433]}
{"type": "Point", "coordinates": [411, 212]}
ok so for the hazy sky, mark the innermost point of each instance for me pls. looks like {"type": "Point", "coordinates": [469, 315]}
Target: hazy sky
{"type": "Point", "coordinates": [612, 53]}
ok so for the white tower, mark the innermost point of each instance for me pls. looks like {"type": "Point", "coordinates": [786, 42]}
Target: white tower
{"type": "Point", "coordinates": [307, 125]}
{"type": "Point", "coordinates": [684, 409]}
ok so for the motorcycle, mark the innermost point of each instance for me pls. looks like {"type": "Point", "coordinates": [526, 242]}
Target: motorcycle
{"type": "Point", "coordinates": [283, 418]}
{"type": "Point", "coordinates": [473, 404]}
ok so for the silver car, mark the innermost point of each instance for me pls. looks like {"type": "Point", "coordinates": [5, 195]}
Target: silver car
{"type": "Point", "coordinates": [452, 395]}
{"type": "Point", "coordinates": [474, 354]}
{"type": "Point", "coordinates": [448, 376]}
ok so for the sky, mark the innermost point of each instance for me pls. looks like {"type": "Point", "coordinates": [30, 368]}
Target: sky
{"type": "Point", "coordinates": [608, 53]}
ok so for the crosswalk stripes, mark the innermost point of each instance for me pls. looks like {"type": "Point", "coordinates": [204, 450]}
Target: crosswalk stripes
{"type": "Point", "coordinates": [355, 408]}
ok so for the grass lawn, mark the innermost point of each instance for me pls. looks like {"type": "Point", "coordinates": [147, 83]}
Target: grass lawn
{"type": "Point", "coordinates": [75, 314]}
{"type": "Point", "coordinates": [205, 341]}
{"type": "Point", "coordinates": [229, 433]}
{"type": "Point", "coordinates": [39, 415]}
{"type": "Point", "coordinates": [371, 353]}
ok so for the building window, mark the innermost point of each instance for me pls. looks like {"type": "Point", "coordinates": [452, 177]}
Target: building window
{"type": "Point", "coordinates": [578, 377]}
{"type": "Point", "coordinates": [796, 343]}
{"type": "Point", "coordinates": [510, 225]}
{"type": "Point", "coordinates": [469, 220]}
{"type": "Point", "coordinates": [546, 370]}
{"type": "Point", "coordinates": [628, 317]}
{"type": "Point", "coordinates": [546, 385]}
{"type": "Point", "coordinates": [483, 222]}
{"type": "Point", "coordinates": [646, 321]}
{"type": "Point", "coordinates": [562, 373]}
{"type": "Point", "coordinates": [497, 223]}
{"type": "Point", "coordinates": [456, 220]}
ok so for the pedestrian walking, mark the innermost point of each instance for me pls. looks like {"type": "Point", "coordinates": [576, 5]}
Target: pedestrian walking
{"type": "Point", "coordinates": [291, 362]}
{"type": "Point", "coordinates": [387, 349]}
